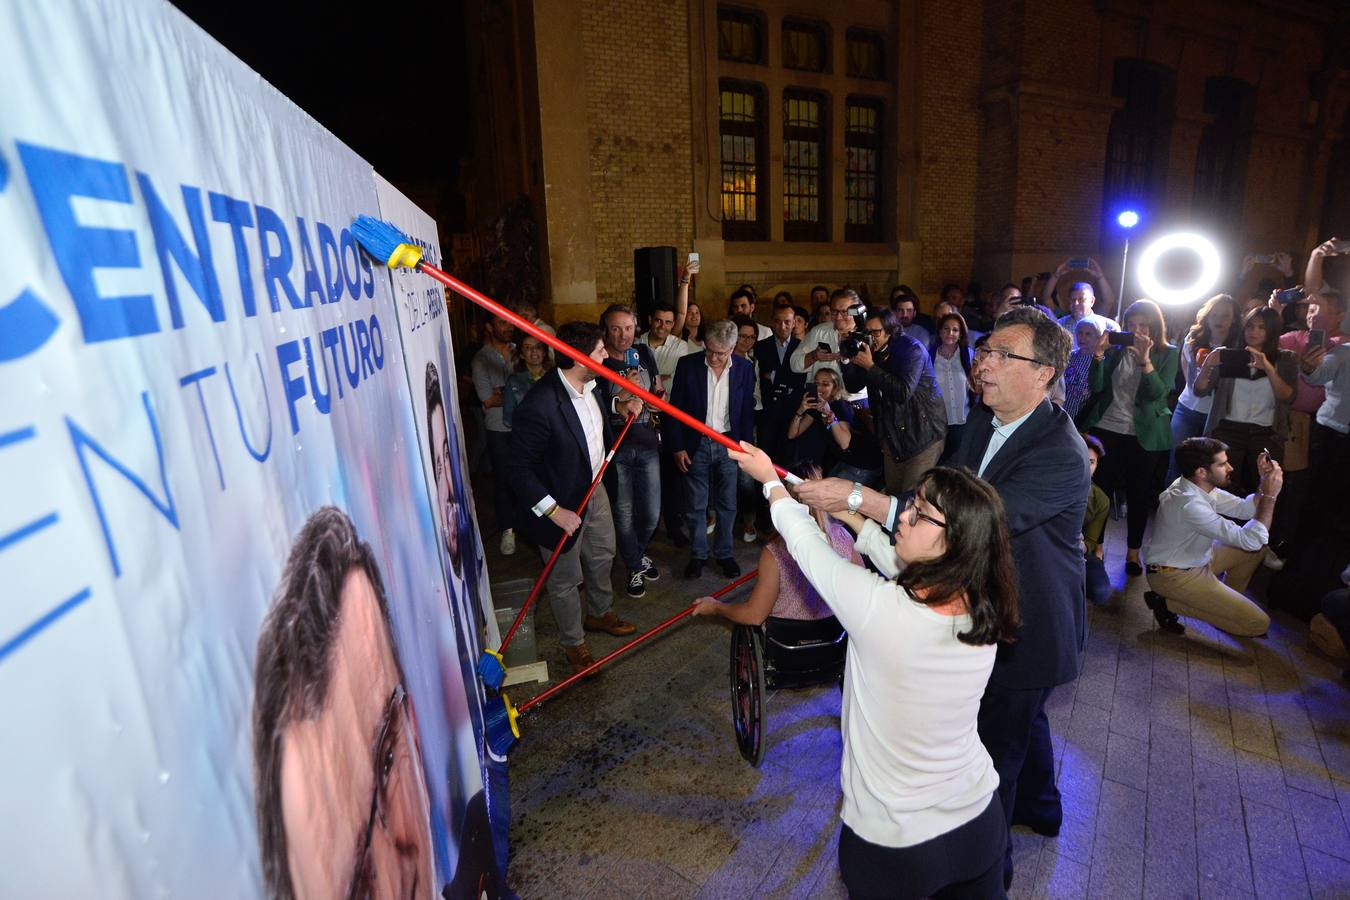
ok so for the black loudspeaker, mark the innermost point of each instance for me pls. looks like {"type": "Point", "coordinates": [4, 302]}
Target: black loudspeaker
{"type": "Point", "coordinates": [653, 280]}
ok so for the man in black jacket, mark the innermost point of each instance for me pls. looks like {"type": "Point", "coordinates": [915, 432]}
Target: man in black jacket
{"type": "Point", "coordinates": [903, 396]}
{"type": "Point", "coordinates": [1028, 449]}
{"type": "Point", "coordinates": [780, 388]}
{"type": "Point", "coordinates": [560, 433]}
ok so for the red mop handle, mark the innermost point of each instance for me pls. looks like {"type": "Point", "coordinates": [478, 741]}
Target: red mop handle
{"type": "Point", "coordinates": [646, 635]}
{"type": "Point", "coordinates": [539, 334]}
{"type": "Point", "coordinates": [557, 550]}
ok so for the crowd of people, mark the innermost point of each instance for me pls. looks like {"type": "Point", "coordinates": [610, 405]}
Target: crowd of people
{"type": "Point", "coordinates": [977, 455]}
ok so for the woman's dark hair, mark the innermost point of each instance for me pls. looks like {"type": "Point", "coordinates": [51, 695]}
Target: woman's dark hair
{"type": "Point", "coordinates": [801, 311]}
{"type": "Point", "coordinates": [1198, 336]}
{"type": "Point", "coordinates": [702, 321]}
{"type": "Point", "coordinates": [978, 560]}
{"type": "Point", "coordinates": [782, 298]}
{"type": "Point", "coordinates": [1271, 319]}
{"type": "Point", "coordinates": [1157, 324]}
{"type": "Point", "coordinates": [962, 342]}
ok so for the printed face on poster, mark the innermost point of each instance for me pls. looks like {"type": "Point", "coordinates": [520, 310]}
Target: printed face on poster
{"type": "Point", "coordinates": [227, 640]}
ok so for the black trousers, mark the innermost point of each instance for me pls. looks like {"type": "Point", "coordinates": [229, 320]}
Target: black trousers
{"type": "Point", "coordinates": [1014, 729]}
{"type": "Point", "coordinates": [1140, 472]}
{"type": "Point", "coordinates": [966, 862]}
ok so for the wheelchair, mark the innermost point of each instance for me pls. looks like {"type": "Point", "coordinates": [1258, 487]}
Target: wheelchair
{"type": "Point", "coordinates": [781, 653]}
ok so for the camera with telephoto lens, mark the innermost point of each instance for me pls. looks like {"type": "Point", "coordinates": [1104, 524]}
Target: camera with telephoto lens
{"type": "Point", "coordinates": [851, 343]}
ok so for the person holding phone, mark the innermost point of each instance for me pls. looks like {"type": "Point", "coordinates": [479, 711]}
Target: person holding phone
{"type": "Point", "coordinates": [1252, 387]}
{"type": "Point", "coordinates": [1217, 324]}
{"type": "Point", "coordinates": [822, 434]}
{"type": "Point", "coordinates": [1130, 377]}
{"type": "Point", "coordinates": [1195, 541]}
{"type": "Point", "coordinates": [1082, 295]}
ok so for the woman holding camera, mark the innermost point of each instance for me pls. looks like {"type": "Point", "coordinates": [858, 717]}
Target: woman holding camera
{"type": "Point", "coordinates": [1251, 389]}
{"type": "Point", "coordinates": [822, 433]}
{"type": "Point", "coordinates": [1131, 375]}
{"type": "Point", "coordinates": [1216, 325]}
{"type": "Point", "coordinates": [921, 813]}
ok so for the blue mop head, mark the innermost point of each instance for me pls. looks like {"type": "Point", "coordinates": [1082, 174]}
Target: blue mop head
{"type": "Point", "coordinates": [386, 243]}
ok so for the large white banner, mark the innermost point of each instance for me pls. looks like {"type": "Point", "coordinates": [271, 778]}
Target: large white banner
{"type": "Point", "coordinates": [227, 662]}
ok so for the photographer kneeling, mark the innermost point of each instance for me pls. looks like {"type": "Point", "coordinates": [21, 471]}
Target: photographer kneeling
{"type": "Point", "coordinates": [921, 813]}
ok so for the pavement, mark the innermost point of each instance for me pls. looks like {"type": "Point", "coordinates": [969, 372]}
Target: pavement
{"type": "Point", "coordinates": [1191, 766]}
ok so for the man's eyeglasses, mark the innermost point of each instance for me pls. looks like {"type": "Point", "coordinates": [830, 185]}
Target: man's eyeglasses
{"type": "Point", "coordinates": [386, 755]}
{"type": "Point", "coordinates": [1000, 355]}
{"type": "Point", "coordinates": [911, 512]}
{"type": "Point", "coordinates": [877, 332]}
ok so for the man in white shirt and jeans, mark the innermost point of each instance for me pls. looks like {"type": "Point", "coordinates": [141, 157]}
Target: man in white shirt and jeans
{"type": "Point", "coordinates": [1194, 542]}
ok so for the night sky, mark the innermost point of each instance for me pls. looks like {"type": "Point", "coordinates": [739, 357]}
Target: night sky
{"type": "Point", "coordinates": [350, 70]}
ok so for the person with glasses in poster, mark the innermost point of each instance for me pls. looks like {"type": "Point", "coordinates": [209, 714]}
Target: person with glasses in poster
{"type": "Point", "coordinates": [1028, 449]}
{"type": "Point", "coordinates": [340, 785]}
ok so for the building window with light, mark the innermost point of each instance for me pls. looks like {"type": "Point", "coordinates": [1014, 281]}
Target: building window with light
{"type": "Point", "coordinates": [806, 208]}
{"type": "Point", "coordinates": [741, 118]}
{"type": "Point", "coordinates": [740, 35]}
{"type": "Point", "coordinates": [866, 51]}
{"type": "Point", "coordinates": [1141, 131]}
{"type": "Point", "coordinates": [862, 169]}
{"type": "Point", "coordinates": [805, 45]}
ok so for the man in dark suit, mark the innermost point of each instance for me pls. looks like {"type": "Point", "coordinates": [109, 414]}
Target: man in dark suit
{"type": "Point", "coordinates": [780, 388]}
{"type": "Point", "coordinates": [559, 434]}
{"type": "Point", "coordinates": [719, 388]}
{"type": "Point", "coordinates": [1028, 449]}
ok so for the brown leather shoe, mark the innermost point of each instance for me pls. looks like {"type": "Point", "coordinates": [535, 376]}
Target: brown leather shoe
{"type": "Point", "coordinates": [579, 657]}
{"type": "Point", "coordinates": [608, 623]}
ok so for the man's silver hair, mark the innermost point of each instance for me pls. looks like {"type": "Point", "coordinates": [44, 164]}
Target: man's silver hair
{"type": "Point", "coordinates": [721, 334]}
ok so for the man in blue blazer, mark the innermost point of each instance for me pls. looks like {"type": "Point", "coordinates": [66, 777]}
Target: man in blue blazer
{"type": "Point", "coordinates": [1029, 450]}
{"type": "Point", "coordinates": [560, 433]}
{"type": "Point", "coordinates": [718, 388]}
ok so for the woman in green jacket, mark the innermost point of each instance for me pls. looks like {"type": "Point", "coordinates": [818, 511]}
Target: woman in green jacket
{"type": "Point", "coordinates": [1128, 412]}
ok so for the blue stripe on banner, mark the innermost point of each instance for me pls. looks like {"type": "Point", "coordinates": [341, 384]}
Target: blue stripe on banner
{"type": "Point", "coordinates": [13, 437]}
{"type": "Point", "coordinates": [25, 531]}
{"type": "Point", "coordinates": [41, 624]}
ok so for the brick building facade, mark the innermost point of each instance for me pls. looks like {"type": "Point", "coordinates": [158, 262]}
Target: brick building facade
{"type": "Point", "coordinates": [1003, 135]}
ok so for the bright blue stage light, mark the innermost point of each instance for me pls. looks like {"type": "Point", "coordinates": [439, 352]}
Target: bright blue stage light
{"type": "Point", "coordinates": [1128, 219]}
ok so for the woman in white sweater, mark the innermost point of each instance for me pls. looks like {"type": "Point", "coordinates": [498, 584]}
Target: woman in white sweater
{"type": "Point", "coordinates": [921, 814]}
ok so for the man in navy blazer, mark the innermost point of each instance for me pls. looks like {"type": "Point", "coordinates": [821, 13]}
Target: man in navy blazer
{"type": "Point", "coordinates": [1029, 450]}
{"type": "Point", "coordinates": [719, 388]}
{"type": "Point", "coordinates": [560, 433]}
{"type": "Point", "coordinates": [780, 388]}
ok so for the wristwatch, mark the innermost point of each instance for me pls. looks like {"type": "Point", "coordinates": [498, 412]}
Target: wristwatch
{"type": "Point", "coordinates": [855, 497]}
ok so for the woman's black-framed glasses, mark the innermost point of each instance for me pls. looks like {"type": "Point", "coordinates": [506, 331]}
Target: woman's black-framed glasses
{"type": "Point", "coordinates": [912, 509]}
{"type": "Point", "coordinates": [1001, 356]}
{"type": "Point", "coordinates": [386, 753]}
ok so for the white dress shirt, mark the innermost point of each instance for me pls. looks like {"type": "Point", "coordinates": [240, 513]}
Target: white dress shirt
{"type": "Point", "coordinates": [1253, 402]}
{"type": "Point", "coordinates": [1190, 520]}
{"type": "Point", "coordinates": [954, 385]}
{"type": "Point", "coordinates": [1000, 437]}
{"type": "Point", "coordinates": [667, 355]}
{"type": "Point", "coordinates": [718, 415]}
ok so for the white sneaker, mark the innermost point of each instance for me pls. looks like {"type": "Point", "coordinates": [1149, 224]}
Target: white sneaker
{"type": "Point", "coordinates": [508, 542]}
{"type": "Point", "coordinates": [1272, 560]}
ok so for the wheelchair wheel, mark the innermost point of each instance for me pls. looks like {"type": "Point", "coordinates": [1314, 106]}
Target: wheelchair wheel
{"type": "Point", "coordinates": [747, 691]}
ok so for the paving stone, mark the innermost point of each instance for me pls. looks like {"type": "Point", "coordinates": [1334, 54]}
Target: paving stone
{"type": "Point", "coordinates": [1170, 861]}
{"type": "Point", "coordinates": [1253, 731]}
{"type": "Point", "coordinates": [1336, 752]}
{"type": "Point", "coordinates": [1117, 871]}
{"type": "Point", "coordinates": [1096, 689]}
{"type": "Point", "coordinates": [1120, 815]}
{"type": "Point", "coordinates": [1129, 716]}
{"type": "Point", "coordinates": [1261, 778]}
{"type": "Point", "coordinates": [1304, 768]}
{"type": "Point", "coordinates": [1319, 823]}
{"type": "Point", "coordinates": [1171, 708]}
{"type": "Point", "coordinates": [1211, 739]}
{"type": "Point", "coordinates": [1271, 838]}
{"type": "Point", "coordinates": [1278, 884]}
{"type": "Point", "coordinates": [1127, 761]}
{"type": "Point", "coordinates": [1328, 877]}
{"type": "Point", "coordinates": [1060, 877]}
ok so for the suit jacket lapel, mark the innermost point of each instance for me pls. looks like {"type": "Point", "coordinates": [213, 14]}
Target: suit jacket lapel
{"type": "Point", "coordinates": [1025, 434]}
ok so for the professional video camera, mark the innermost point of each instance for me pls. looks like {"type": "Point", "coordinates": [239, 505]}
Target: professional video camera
{"type": "Point", "coordinates": [850, 343]}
